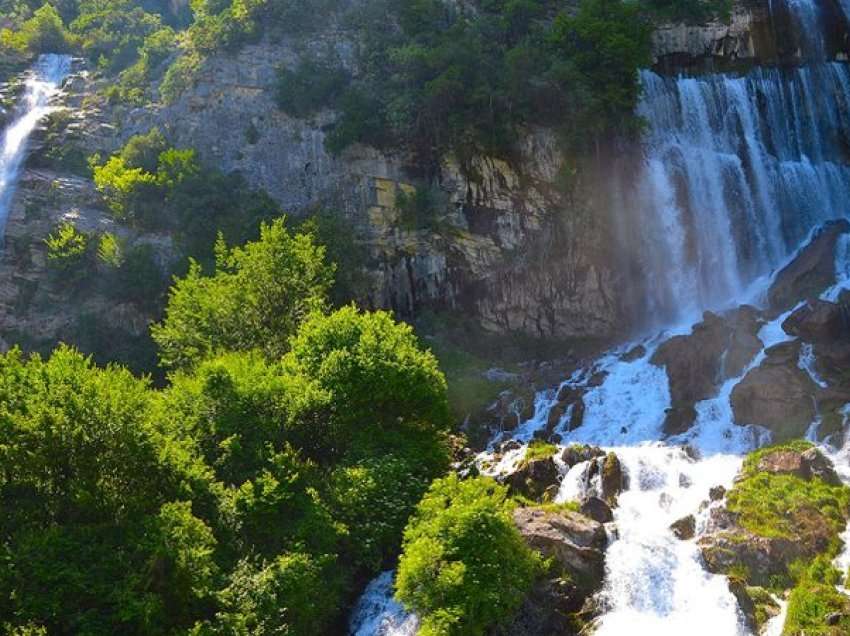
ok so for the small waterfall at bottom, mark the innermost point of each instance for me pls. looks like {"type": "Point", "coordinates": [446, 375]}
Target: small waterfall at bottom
{"type": "Point", "coordinates": [42, 84]}
{"type": "Point", "coordinates": [656, 583]}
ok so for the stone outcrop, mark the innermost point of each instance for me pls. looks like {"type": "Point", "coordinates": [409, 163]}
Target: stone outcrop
{"type": "Point", "coordinates": [534, 478]}
{"type": "Point", "coordinates": [685, 528]}
{"type": "Point", "coordinates": [697, 364]}
{"type": "Point", "coordinates": [799, 529]}
{"type": "Point", "coordinates": [811, 272]}
{"type": "Point", "coordinates": [777, 395]}
{"type": "Point", "coordinates": [575, 542]}
{"type": "Point", "coordinates": [811, 464]}
{"type": "Point", "coordinates": [744, 37]}
{"type": "Point", "coordinates": [818, 321]}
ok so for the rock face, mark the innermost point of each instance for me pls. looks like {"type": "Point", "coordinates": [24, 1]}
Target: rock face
{"type": "Point", "coordinates": [697, 364]}
{"type": "Point", "coordinates": [817, 321]}
{"type": "Point", "coordinates": [575, 542]}
{"type": "Point", "coordinates": [811, 272]}
{"type": "Point", "coordinates": [485, 216]}
{"type": "Point", "coordinates": [777, 395]}
{"type": "Point", "coordinates": [744, 37]}
{"type": "Point", "coordinates": [685, 528]}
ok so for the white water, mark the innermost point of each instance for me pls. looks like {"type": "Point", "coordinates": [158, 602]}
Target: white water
{"type": "Point", "coordinates": [377, 614]}
{"type": "Point", "coordinates": [42, 84]}
{"type": "Point", "coordinates": [738, 171]}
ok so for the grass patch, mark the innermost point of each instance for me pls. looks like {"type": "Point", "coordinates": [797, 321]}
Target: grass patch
{"type": "Point", "coordinates": [786, 506]}
{"type": "Point", "coordinates": [537, 450]}
{"type": "Point", "coordinates": [814, 599]}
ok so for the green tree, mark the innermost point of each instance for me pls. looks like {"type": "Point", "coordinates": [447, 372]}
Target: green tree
{"type": "Point", "coordinates": [255, 299]}
{"type": "Point", "coordinates": [465, 566]}
{"type": "Point", "coordinates": [374, 370]}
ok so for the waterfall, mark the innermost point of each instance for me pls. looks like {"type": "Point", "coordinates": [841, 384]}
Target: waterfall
{"type": "Point", "coordinates": [41, 85]}
{"type": "Point", "coordinates": [736, 172]}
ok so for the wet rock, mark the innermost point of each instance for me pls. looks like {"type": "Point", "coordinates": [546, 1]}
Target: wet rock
{"type": "Point", "coordinates": [685, 528]}
{"type": "Point", "coordinates": [634, 354]}
{"type": "Point", "coordinates": [578, 453]}
{"type": "Point", "coordinates": [745, 603]}
{"type": "Point", "coordinates": [693, 361]}
{"type": "Point", "coordinates": [575, 542]}
{"type": "Point", "coordinates": [777, 395]}
{"type": "Point", "coordinates": [697, 364]}
{"type": "Point", "coordinates": [534, 478]}
{"type": "Point", "coordinates": [717, 493]}
{"type": "Point", "coordinates": [597, 509]}
{"type": "Point", "coordinates": [546, 610]}
{"type": "Point", "coordinates": [679, 419]}
{"type": "Point", "coordinates": [817, 321]}
{"type": "Point", "coordinates": [813, 271]}
{"type": "Point", "coordinates": [613, 479]}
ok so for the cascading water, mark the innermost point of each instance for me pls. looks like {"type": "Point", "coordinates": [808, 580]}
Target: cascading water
{"type": "Point", "coordinates": [42, 84]}
{"type": "Point", "coordinates": [737, 172]}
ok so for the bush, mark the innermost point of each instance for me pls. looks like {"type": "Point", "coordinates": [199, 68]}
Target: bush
{"type": "Point", "coordinates": [465, 567]}
{"type": "Point", "coordinates": [310, 87]}
{"type": "Point", "coordinates": [44, 32]}
{"type": "Point", "coordinates": [374, 370]}
{"type": "Point", "coordinates": [243, 305]}
{"type": "Point", "coordinates": [68, 249]}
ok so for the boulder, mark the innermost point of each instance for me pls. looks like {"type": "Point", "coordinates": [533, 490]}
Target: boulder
{"type": "Point", "coordinates": [697, 364]}
{"type": "Point", "coordinates": [577, 453]}
{"type": "Point", "coordinates": [685, 528]}
{"type": "Point", "coordinates": [597, 509]}
{"type": "Point", "coordinates": [693, 361]}
{"type": "Point", "coordinates": [717, 493]}
{"type": "Point", "coordinates": [806, 465]}
{"type": "Point", "coordinates": [534, 478]}
{"type": "Point", "coordinates": [777, 395]}
{"type": "Point", "coordinates": [547, 609]}
{"type": "Point", "coordinates": [817, 321]}
{"type": "Point", "coordinates": [613, 479]}
{"type": "Point", "coordinates": [576, 543]}
{"type": "Point", "coordinates": [763, 558]}
{"type": "Point", "coordinates": [811, 272]}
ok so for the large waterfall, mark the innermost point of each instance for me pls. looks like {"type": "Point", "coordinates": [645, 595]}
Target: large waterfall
{"type": "Point", "coordinates": [41, 85]}
{"type": "Point", "coordinates": [736, 172]}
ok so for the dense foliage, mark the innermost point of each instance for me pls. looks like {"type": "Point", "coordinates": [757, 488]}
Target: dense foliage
{"type": "Point", "coordinates": [255, 299]}
{"type": "Point", "coordinates": [468, 79]}
{"type": "Point", "coordinates": [465, 566]}
{"type": "Point", "coordinates": [253, 494]}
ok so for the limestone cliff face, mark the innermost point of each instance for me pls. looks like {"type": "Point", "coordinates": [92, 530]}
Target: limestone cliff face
{"type": "Point", "coordinates": [506, 247]}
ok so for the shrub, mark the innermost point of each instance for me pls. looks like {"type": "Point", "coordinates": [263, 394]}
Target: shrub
{"type": "Point", "coordinates": [243, 305]}
{"type": "Point", "coordinates": [67, 248]}
{"type": "Point", "coordinates": [310, 86]}
{"type": "Point", "coordinates": [44, 32]}
{"type": "Point", "coordinates": [373, 369]}
{"type": "Point", "coordinates": [465, 567]}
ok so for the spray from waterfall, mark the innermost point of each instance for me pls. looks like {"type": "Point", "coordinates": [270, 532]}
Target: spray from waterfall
{"type": "Point", "coordinates": [42, 84]}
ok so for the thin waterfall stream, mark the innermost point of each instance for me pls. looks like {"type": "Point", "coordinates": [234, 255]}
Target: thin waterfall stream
{"type": "Point", "coordinates": [738, 170]}
{"type": "Point", "coordinates": [41, 86]}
